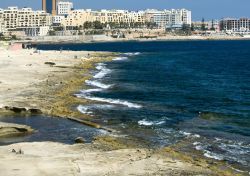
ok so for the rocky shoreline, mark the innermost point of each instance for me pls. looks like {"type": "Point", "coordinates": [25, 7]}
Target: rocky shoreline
{"type": "Point", "coordinates": [44, 82]}
{"type": "Point", "coordinates": [51, 87]}
{"type": "Point", "coordinates": [92, 39]}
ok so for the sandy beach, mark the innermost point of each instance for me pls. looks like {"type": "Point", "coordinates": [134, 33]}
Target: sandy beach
{"type": "Point", "coordinates": [44, 82]}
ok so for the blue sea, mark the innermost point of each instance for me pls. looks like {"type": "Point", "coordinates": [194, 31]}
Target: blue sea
{"type": "Point", "coordinates": [167, 91]}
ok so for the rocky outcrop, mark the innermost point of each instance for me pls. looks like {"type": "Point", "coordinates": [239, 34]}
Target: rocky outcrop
{"type": "Point", "coordinates": [10, 129]}
{"type": "Point", "coordinates": [21, 110]}
{"type": "Point", "coordinates": [48, 158]}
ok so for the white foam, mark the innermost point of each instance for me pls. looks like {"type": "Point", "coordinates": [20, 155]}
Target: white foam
{"type": "Point", "coordinates": [218, 139]}
{"type": "Point", "coordinates": [185, 133]}
{"type": "Point", "coordinates": [190, 134]}
{"type": "Point", "coordinates": [84, 109]}
{"type": "Point", "coordinates": [145, 122]}
{"type": "Point", "coordinates": [238, 170]}
{"type": "Point", "coordinates": [90, 91]}
{"type": "Point", "coordinates": [100, 66]}
{"type": "Point", "coordinates": [102, 106]}
{"type": "Point", "coordinates": [196, 143]}
{"type": "Point", "coordinates": [120, 58]}
{"type": "Point", "coordinates": [105, 132]}
{"type": "Point", "coordinates": [114, 101]}
{"type": "Point", "coordinates": [209, 154]}
{"type": "Point", "coordinates": [103, 71]}
{"type": "Point", "coordinates": [198, 147]}
{"type": "Point", "coordinates": [132, 54]}
{"type": "Point", "coordinates": [88, 108]}
{"type": "Point", "coordinates": [196, 136]}
{"type": "Point", "coordinates": [97, 84]}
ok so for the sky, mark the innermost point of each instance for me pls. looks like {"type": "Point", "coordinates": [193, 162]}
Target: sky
{"type": "Point", "coordinates": [209, 9]}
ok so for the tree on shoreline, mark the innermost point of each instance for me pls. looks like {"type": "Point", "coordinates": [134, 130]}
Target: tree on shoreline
{"type": "Point", "coordinates": [192, 27]}
{"type": "Point", "coordinates": [203, 26]}
{"type": "Point", "coordinates": [212, 28]}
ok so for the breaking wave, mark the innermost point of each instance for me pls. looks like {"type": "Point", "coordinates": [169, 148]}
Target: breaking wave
{"type": "Point", "coordinates": [114, 101]}
{"type": "Point", "coordinates": [132, 54]}
{"type": "Point", "coordinates": [145, 122]}
{"type": "Point", "coordinates": [97, 84]}
{"type": "Point", "coordinates": [120, 58]}
{"type": "Point", "coordinates": [84, 109]}
{"type": "Point", "coordinates": [103, 71]}
{"type": "Point", "coordinates": [221, 149]}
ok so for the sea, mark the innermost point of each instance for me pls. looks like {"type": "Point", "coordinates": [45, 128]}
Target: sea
{"type": "Point", "coordinates": [164, 92]}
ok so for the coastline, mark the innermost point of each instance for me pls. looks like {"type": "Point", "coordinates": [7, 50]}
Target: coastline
{"type": "Point", "coordinates": [50, 40]}
{"type": "Point", "coordinates": [52, 94]}
{"type": "Point", "coordinates": [50, 77]}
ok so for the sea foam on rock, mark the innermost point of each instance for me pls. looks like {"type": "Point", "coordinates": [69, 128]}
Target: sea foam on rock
{"type": "Point", "coordinates": [103, 71]}
{"type": "Point", "coordinates": [97, 84]}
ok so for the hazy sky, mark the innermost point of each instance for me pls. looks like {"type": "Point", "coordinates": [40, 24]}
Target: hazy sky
{"type": "Point", "coordinates": [209, 9]}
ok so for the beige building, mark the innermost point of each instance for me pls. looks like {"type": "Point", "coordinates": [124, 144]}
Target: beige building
{"type": "Point", "coordinates": [118, 16]}
{"type": "Point", "coordinates": [79, 17]}
{"type": "Point", "coordinates": [10, 18]}
{"type": "Point", "coordinates": [25, 19]}
{"type": "Point", "coordinates": [2, 28]}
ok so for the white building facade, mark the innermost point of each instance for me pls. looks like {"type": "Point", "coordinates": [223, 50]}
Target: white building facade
{"type": "Point", "coordinates": [64, 8]}
{"type": "Point", "coordinates": [58, 19]}
{"type": "Point", "coordinates": [174, 18]}
{"type": "Point", "coordinates": [2, 27]}
{"type": "Point", "coordinates": [241, 26]}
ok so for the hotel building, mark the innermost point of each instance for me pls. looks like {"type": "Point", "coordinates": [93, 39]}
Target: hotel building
{"type": "Point", "coordinates": [69, 18]}
{"type": "Point", "coordinates": [2, 27]}
{"type": "Point", "coordinates": [77, 18]}
{"type": "Point", "coordinates": [64, 8]}
{"type": "Point", "coordinates": [163, 19]}
{"type": "Point", "coordinates": [118, 16]}
{"type": "Point", "coordinates": [241, 25]}
{"type": "Point", "coordinates": [173, 18]}
{"type": "Point", "coordinates": [26, 20]}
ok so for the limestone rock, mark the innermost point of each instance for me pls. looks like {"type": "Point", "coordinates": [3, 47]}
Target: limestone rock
{"type": "Point", "coordinates": [79, 140]}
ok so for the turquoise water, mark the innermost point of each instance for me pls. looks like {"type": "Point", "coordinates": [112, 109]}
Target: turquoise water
{"type": "Point", "coordinates": [164, 92]}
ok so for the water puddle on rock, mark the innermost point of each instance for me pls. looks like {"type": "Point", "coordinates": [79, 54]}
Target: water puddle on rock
{"type": "Point", "coordinates": [50, 129]}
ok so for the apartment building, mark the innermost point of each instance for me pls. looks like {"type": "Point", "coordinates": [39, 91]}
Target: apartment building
{"type": "Point", "coordinates": [2, 27]}
{"type": "Point", "coordinates": [179, 17]}
{"type": "Point", "coordinates": [107, 16]}
{"type": "Point", "coordinates": [118, 16]}
{"type": "Point", "coordinates": [173, 18]}
{"type": "Point", "coordinates": [138, 17]}
{"type": "Point", "coordinates": [64, 8]}
{"type": "Point", "coordinates": [241, 25]}
{"type": "Point", "coordinates": [77, 18]}
{"type": "Point", "coordinates": [25, 19]}
{"type": "Point", "coordinates": [29, 18]}
{"type": "Point", "coordinates": [161, 18]}
{"type": "Point", "coordinates": [58, 19]}
{"type": "Point", "coordinates": [10, 19]}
